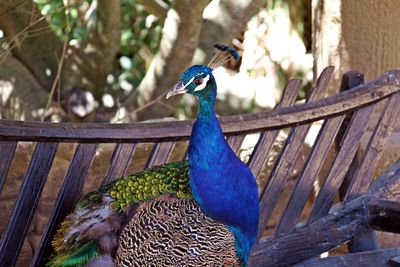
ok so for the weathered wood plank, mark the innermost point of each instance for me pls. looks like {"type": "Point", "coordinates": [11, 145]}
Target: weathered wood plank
{"type": "Point", "coordinates": [259, 157]}
{"type": "Point", "coordinates": [26, 203]}
{"type": "Point", "coordinates": [382, 87]}
{"type": "Point", "coordinates": [395, 261]}
{"type": "Point", "coordinates": [341, 225]}
{"type": "Point", "coordinates": [160, 154]}
{"type": "Point", "coordinates": [384, 215]}
{"type": "Point", "coordinates": [120, 160]}
{"type": "Point", "coordinates": [388, 184]}
{"type": "Point", "coordinates": [318, 237]}
{"type": "Point", "coordinates": [375, 148]}
{"type": "Point", "coordinates": [309, 174]}
{"type": "Point", "coordinates": [367, 240]}
{"type": "Point", "coordinates": [67, 197]}
{"type": "Point", "coordinates": [283, 167]}
{"type": "Point", "coordinates": [235, 142]}
{"type": "Point", "coordinates": [342, 161]}
{"type": "Point", "coordinates": [350, 80]}
{"type": "Point", "coordinates": [7, 154]}
{"type": "Point", "coordinates": [379, 258]}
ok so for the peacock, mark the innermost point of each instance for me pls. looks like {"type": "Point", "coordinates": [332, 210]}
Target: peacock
{"type": "Point", "coordinates": [198, 212]}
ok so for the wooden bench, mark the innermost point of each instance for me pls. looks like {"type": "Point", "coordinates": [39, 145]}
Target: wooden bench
{"type": "Point", "coordinates": [367, 205]}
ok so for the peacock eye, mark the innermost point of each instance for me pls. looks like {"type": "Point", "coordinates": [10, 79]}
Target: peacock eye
{"type": "Point", "coordinates": [198, 81]}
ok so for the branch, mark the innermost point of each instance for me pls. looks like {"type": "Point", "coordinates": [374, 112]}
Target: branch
{"type": "Point", "coordinates": [30, 37]}
{"type": "Point", "coordinates": [339, 226]}
{"type": "Point", "coordinates": [178, 43]}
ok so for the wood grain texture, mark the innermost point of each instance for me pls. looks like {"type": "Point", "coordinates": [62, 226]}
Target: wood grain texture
{"type": "Point", "coordinates": [368, 239]}
{"type": "Point", "coordinates": [375, 148]}
{"type": "Point", "coordinates": [318, 237]}
{"type": "Point", "coordinates": [342, 224]}
{"type": "Point", "coordinates": [160, 154]}
{"type": "Point", "coordinates": [336, 228]}
{"type": "Point", "coordinates": [291, 150]}
{"type": "Point", "coordinates": [26, 203]}
{"type": "Point", "coordinates": [120, 160]}
{"type": "Point", "coordinates": [384, 215]}
{"type": "Point", "coordinates": [235, 142]}
{"type": "Point", "coordinates": [342, 162]}
{"type": "Point", "coordinates": [259, 157]}
{"type": "Point", "coordinates": [388, 184]}
{"type": "Point", "coordinates": [313, 166]}
{"type": "Point", "coordinates": [382, 87]}
{"type": "Point", "coordinates": [350, 80]}
{"type": "Point", "coordinates": [379, 258]}
{"type": "Point", "coordinates": [67, 197]}
{"type": "Point", "coordinates": [7, 150]}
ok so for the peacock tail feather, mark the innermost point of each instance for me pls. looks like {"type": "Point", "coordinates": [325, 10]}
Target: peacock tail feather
{"type": "Point", "coordinates": [99, 215]}
{"type": "Point", "coordinates": [173, 232]}
{"type": "Point", "coordinates": [78, 257]}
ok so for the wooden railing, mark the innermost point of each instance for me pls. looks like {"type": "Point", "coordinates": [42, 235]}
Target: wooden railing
{"type": "Point", "coordinates": [358, 104]}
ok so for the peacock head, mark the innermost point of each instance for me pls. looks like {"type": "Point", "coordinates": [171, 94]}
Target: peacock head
{"type": "Point", "coordinates": [198, 80]}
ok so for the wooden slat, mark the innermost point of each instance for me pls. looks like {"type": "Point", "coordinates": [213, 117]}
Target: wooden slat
{"type": "Point", "coordinates": [7, 150]}
{"type": "Point", "coordinates": [26, 203]}
{"type": "Point", "coordinates": [368, 239]}
{"type": "Point", "coordinates": [309, 174]}
{"type": "Point", "coordinates": [375, 147]}
{"type": "Point", "coordinates": [328, 232]}
{"type": "Point", "coordinates": [350, 80]}
{"type": "Point", "coordinates": [259, 157]}
{"type": "Point", "coordinates": [375, 258]}
{"type": "Point", "coordinates": [342, 161]}
{"type": "Point", "coordinates": [283, 167]}
{"type": "Point", "coordinates": [383, 86]}
{"type": "Point", "coordinates": [160, 154]}
{"type": "Point", "coordinates": [318, 237]}
{"type": "Point", "coordinates": [388, 184]}
{"type": "Point", "coordinates": [235, 142]}
{"type": "Point", "coordinates": [316, 159]}
{"type": "Point", "coordinates": [67, 197]}
{"type": "Point", "coordinates": [343, 224]}
{"type": "Point", "coordinates": [120, 160]}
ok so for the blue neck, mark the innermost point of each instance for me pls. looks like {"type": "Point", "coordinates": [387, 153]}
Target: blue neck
{"type": "Point", "coordinates": [221, 184]}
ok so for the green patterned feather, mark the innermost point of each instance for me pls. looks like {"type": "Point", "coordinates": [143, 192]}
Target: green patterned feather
{"type": "Point", "coordinates": [98, 215]}
{"type": "Point", "coordinates": [78, 257]}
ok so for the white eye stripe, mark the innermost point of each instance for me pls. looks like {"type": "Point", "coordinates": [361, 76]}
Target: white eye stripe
{"type": "Point", "coordinates": [189, 82]}
{"type": "Point", "coordinates": [203, 84]}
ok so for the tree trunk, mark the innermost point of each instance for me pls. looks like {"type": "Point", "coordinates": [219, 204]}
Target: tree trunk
{"type": "Point", "coordinates": [353, 34]}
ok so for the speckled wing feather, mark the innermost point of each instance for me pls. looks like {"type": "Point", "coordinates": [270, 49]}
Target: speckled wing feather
{"type": "Point", "coordinates": [91, 230]}
{"type": "Point", "coordinates": [174, 232]}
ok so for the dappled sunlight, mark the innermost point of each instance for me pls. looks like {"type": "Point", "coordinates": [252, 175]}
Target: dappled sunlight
{"type": "Point", "coordinates": [272, 52]}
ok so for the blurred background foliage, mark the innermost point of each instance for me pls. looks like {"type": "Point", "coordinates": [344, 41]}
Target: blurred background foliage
{"type": "Point", "coordinates": [140, 37]}
{"type": "Point", "coordinates": [275, 43]}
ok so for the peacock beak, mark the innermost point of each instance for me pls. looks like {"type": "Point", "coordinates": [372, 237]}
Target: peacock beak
{"type": "Point", "coordinates": [178, 89]}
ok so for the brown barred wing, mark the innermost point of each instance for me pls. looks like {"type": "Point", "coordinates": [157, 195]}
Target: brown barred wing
{"type": "Point", "coordinates": [174, 232]}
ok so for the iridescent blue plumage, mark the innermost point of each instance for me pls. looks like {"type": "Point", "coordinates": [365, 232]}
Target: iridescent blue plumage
{"type": "Point", "coordinates": [221, 183]}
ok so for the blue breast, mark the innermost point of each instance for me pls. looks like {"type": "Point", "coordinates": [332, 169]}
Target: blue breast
{"type": "Point", "coordinates": [221, 183]}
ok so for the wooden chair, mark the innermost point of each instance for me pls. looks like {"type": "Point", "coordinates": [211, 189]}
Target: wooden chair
{"type": "Point", "coordinates": [366, 204]}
